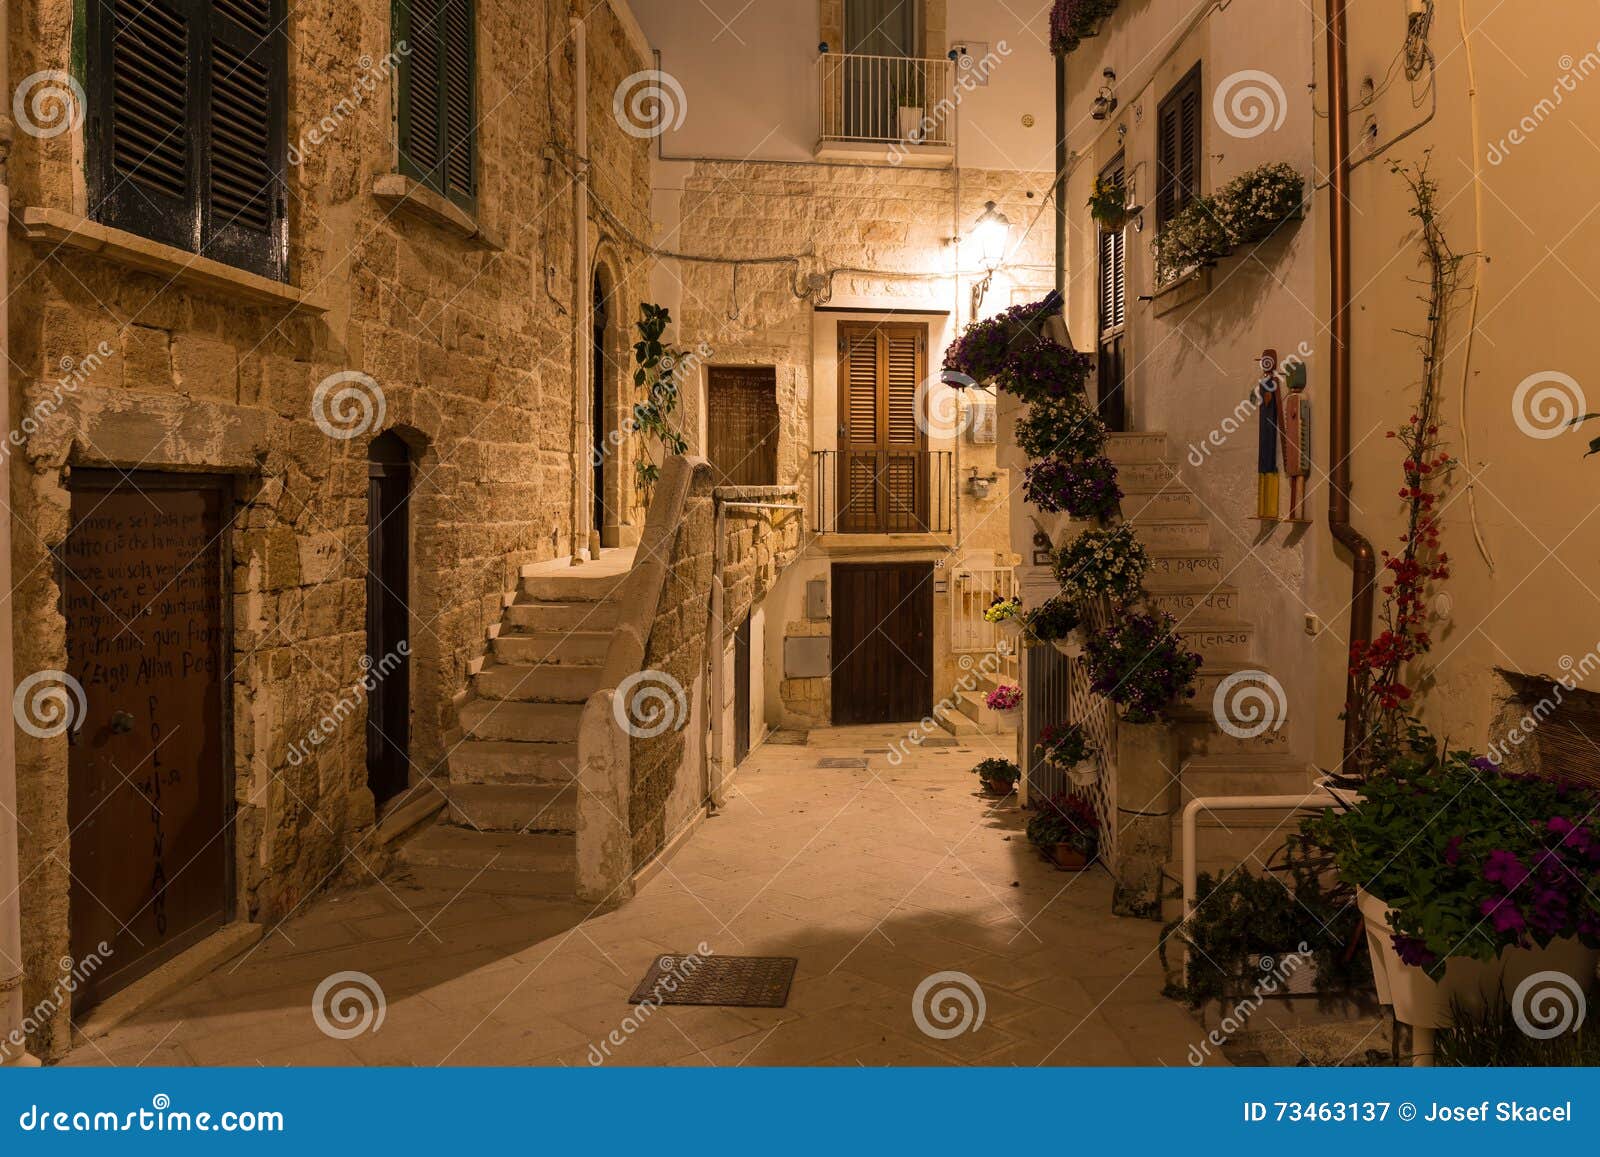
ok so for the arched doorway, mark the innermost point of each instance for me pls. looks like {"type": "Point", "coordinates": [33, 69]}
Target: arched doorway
{"type": "Point", "coordinates": [388, 617]}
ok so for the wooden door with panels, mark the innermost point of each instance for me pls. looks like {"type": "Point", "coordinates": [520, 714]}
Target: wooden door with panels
{"type": "Point", "coordinates": [882, 483]}
{"type": "Point", "coordinates": [144, 575]}
{"type": "Point", "coordinates": [742, 424]}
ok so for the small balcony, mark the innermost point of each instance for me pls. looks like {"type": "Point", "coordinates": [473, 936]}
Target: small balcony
{"type": "Point", "coordinates": [887, 108]}
{"type": "Point", "coordinates": [883, 491]}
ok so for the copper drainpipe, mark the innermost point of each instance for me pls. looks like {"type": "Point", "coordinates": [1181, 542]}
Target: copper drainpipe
{"type": "Point", "coordinates": [1364, 560]}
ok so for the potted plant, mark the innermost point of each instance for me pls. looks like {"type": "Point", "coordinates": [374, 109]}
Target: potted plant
{"type": "Point", "coordinates": [1005, 612]}
{"type": "Point", "coordinates": [1252, 205]}
{"type": "Point", "coordinates": [1046, 371]}
{"type": "Point", "coordinates": [1061, 428]}
{"type": "Point", "coordinates": [1057, 622]}
{"type": "Point", "coordinates": [907, 98]}
{"type": "Point", "coordinates": [1066, 746]}
{"type": "Point", "coordinates": [1108, 205]}
{"type": "Point", "coordinates": [1194, 237]}
{"type": "Point", "coordinates": [1140, 662]}
{"type": "Point", "coordinates": [998, 776]}
{"type": "Point", "coordinates": [987, 347]}
{"type": "Point", "coordinates": [1005, 701]}
{"type": "Point", "coordinates": [1084, 490]}
{"type": "Point", "coordinates": [1066, 831]}
{"type": "Point", "coordinates": [1074, 21]}
{"type": "Point", "coordinates": [1468, 878]}
{"type": "Point", "coordinates": [1105, 563]}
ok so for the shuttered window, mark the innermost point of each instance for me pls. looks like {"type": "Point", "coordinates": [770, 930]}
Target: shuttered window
{"type": "Point", "coordinates": [1178, 145]}
{"type": "Point", "coordinates": [883, 466]}
{"type": "Point", "coordinates": [1113, 265]}
{"type": "Point", "coordinates": [186, 136]}
{"type": "Point", "coordinates": [438, 115]}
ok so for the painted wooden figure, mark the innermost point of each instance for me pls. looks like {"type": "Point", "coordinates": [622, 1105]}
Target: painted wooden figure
{"type": "Point", "coordinates": [1265, 397]}
{"type": "Point", "coordinates": [1295, 421]}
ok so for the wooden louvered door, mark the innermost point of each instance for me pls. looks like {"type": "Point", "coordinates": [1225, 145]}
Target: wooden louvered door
{"type": "Point", "coordinates": [883, 463]}
{"type": "Point", "coordinates": [1113, 310]}
{"type": "Point", "coordinates": [438, 112]}
{"type": "Point", "coordinates": [186, 137]}
{"type": "Point", "coordinates": [1178, 145]}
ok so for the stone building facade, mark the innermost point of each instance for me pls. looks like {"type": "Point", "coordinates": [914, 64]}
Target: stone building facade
{"type": "Point", "coordinates": [460, 330]}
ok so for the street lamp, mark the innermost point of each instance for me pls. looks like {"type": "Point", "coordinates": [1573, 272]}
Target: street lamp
{"type": "Point", "coordinates": [992, 234]}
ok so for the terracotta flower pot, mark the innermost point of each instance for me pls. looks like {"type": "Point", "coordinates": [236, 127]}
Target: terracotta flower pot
{"type": "Point", "coordinates": [996, 787]}
{"type": "Point", "coordinates": [1068, 857]}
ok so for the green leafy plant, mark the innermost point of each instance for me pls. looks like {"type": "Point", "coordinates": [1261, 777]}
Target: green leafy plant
{"type": "Point", "coordinates": [1105, 563]}
{"type": "Point", "coordinates": [1108, 204]}
{"type": "Point", "coordinates": [1054, 619]}
{"type": "Point", "coordinates": [999, 774]}
{"type": "Point", "coordinates": [1491, 1038]}
{"type": "Point", "coordinates": [1244, 925]}
{"type": "Point", "coordinates": [656, 375]}
{"type": "Point", "coordinates": [1062, 428]}
{"type": "Point", "coordinates": [1471, 860]}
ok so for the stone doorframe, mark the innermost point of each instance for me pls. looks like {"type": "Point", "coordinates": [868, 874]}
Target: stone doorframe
{"type": "Point", "coordinates": [622, 518]}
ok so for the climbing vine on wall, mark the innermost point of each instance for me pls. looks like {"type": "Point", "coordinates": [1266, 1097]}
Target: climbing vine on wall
{"type": "Point", "coordinates": [657, 373]}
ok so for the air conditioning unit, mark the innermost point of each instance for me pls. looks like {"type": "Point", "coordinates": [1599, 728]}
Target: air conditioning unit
{"type": "Point", "coordinates": [981, 430]}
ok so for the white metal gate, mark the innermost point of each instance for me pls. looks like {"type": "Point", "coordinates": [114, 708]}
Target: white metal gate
{"type": "Point", "coordinates": [972, 589]}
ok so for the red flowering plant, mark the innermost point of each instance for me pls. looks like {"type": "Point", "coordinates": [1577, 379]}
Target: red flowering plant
{"type": "Point", "coordinates": [1381, 670]}
{"type": "Point", "coordinates": [1066, 819]}
{"type": "Point", "coordinates": [1073, 20]}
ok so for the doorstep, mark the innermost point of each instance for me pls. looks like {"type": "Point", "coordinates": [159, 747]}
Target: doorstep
{"type": "Point", "coordinates": [176, 974]}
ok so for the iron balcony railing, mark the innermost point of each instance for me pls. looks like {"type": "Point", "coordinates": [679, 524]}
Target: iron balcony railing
{"type": "Point", "coordinates": [883, 491]}
{"type": "Point", "coordinates": [888, 99]}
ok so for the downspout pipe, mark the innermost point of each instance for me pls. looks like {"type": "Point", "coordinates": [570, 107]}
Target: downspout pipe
{"type": "Point", "coordinates": [11, 970]}
{"type": "Point", "coordinates": [1063, 158]}
{"type": "Point", "coordinates": [1364, 568]}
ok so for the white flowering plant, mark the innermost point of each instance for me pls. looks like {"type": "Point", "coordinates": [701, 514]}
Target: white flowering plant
{"type": "Point", "coordinates": [1253, 204]}
{"type": "Point", "coordinates": [1109, 563]}
{"type": "Point", "coordinates": [1193, 237]}
{"type": "Point", "coordinates": [1061, 428]}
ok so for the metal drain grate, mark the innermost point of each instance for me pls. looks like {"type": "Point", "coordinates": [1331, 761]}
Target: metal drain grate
{"type": "Point", "coordinates": [732, 981]}
{"type": "Point", "coordinates": [788, 738]}
{"type": "Point", "coordinates": [841, 762]}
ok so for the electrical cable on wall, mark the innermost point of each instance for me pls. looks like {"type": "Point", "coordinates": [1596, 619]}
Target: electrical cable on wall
{"type": "Point", "coordinates": [1477, 281]}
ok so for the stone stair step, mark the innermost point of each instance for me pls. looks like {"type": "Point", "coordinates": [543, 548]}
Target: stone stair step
{"type": "Point", "coordinates": [1198, 738]}
{"type": "Point", "coordinates": [1172, 533]}
{"type": "Point", "coordinates": [1174, 501]}
{"type": "Point", "coordinates": [971, 705]}
{"type": "Point", "coordinates": [582, 648]}
{"type": "Point", "coordinates": [1136, 446]}
{"type": "Point", "coordinates": [1191, 565]}
{"type": "Point", "coordinates": [511, 762]}
{"type": "Point", "coordinates": [537, 682]}
{"type": "Point", "coordinates": [493, 861]}
{"type": "Point", "coordinates": [514, 808]}
{"type": "Point", "coordinates": [576, 616]}
{"type": "Point", "coordinates": [1225, 640]}
{"type": "Point", "coordinates": [1146, 475]}
{"type": "Point", "coordinates": [957, 724]}
{"type": "Point", "coordinates": [1220, 775]}
{"type": "Point", "coordinates": [1194, 607]}
{"type": "Point", "coordinates": [529, 722]}
{"type": "Point", "coordinates": [571, 588]}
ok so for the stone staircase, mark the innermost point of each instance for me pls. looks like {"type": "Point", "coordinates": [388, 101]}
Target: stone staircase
{"type": "Point", "coordinates": [1188, 579]}
{"type": "Point", "coordinates": [970, 715]}
{"type": "Point", "coordinates": [511, 823]}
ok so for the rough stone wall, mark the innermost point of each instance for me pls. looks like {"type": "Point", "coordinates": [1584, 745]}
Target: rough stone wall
{"type": "Point", "coordinates": [470, 344]}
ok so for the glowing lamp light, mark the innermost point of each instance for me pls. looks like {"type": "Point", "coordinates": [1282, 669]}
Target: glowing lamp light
{"type": "Point", "coordinates": [992, 235]}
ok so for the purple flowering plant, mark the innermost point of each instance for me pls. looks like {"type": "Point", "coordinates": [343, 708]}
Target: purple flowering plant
{"type": "Point", "coordinates": [1141, 662]}
{"type": "Point", "coordinates": [1471, 859]}
{"type": "Point", "coordinates": [986, 347]}
{"type": "Point", "coordinates": [1085, 489]}
{"type": "Point", "coordinates": [1046, 371]}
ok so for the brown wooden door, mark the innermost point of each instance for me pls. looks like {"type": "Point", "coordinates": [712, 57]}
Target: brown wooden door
{"type": "Point", "coordinates": [883, 461]}
{"type": "Point", "coordinates": [742, 425]}
{"type": "Point", "coordinates": [882, 642]}
{"type": "Point", "coordinates": [144, 581]}
{"type": "Point", "coordinates": [741, 692]}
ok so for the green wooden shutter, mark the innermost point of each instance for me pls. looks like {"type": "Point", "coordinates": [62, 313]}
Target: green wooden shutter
{"type": "Point", "coordinates": [186, 133]}
{"type": "Point", "coordinates": [438, 114]}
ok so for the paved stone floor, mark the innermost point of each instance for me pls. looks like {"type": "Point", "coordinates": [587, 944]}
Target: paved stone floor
{"type": "Point", "coordinates": [874, 876]}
